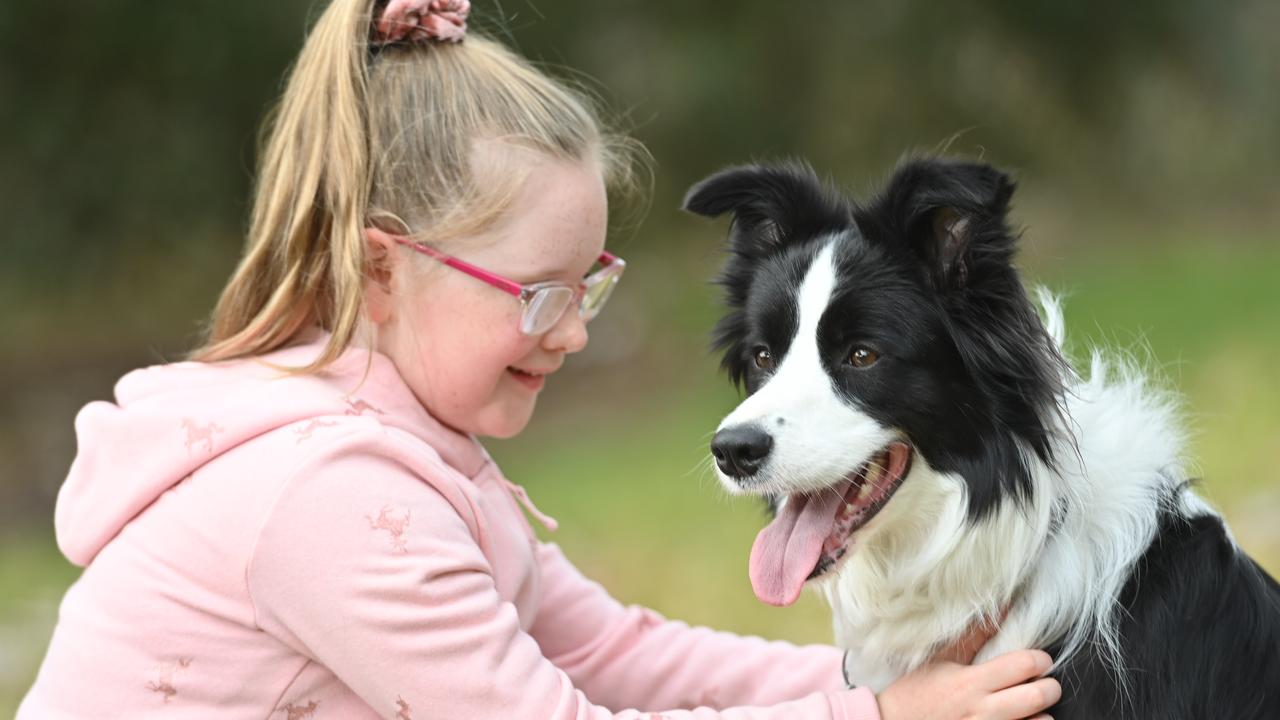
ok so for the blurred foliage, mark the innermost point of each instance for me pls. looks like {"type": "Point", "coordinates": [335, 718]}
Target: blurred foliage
{"type": "Point", "coordinates": [1145, 136]}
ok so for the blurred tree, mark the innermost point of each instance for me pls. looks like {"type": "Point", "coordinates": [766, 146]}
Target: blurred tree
{"type": "Point", "coordinates": [127, 128]}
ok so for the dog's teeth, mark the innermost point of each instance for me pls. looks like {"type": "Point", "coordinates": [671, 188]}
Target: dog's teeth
{"type": "Point", "coordinates": [865, 491]}
{"type": "Point", "coordinates": [848, 507]}
{"type": "Point", "coordinates": [873, 475]}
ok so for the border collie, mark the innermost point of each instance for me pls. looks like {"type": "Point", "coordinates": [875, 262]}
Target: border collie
{"type": "Point", "coordinates": [932, 460]}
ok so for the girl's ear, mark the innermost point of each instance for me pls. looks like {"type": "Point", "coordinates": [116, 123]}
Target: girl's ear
{"type": "Point", "coordinates": [381, 262]}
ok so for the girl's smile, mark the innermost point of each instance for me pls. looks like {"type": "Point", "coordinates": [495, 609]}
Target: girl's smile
{"type": "Point", "coordinates": [532, 380]}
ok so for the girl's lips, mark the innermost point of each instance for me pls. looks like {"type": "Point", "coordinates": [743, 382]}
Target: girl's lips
{"type": "Point", "coordinates": [531, 380]}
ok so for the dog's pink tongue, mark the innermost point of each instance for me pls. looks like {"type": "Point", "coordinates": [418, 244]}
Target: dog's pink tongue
{"type": "Point", "coordinates": [787, 549]}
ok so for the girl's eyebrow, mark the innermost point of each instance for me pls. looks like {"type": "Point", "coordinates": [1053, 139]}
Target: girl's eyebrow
{"type": "Point", "coordinates": [535, 272]}
{"type": "Point", "coordinates": [545, 273]}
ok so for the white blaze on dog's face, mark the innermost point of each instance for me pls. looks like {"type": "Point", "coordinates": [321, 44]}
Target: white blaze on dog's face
{"type": "Point", "coordinates": [817, 436]}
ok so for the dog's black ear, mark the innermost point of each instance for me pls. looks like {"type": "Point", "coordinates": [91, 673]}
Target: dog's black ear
{"type": "Point", "coordinates": [952, 218]}
{"type": "Point", "coordinates": [772, 205]}
{"type": "Point", "coordinates": [953, 214]}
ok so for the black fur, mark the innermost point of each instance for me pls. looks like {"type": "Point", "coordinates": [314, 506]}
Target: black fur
{"type": "Point", "coordinates": [1201, 637]}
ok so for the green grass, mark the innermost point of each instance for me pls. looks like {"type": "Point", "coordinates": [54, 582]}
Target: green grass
{"type": "Point", "coordinates": [618, 456]}
{"type": "Point", "coordinates": [1208, 325]}
{"type": "Point", "coordinates": [33, 576]}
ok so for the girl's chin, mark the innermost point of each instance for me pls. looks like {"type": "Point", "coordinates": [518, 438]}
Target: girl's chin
{"type": "Point", "coordinates": [507, 422]}
{"type": "Point", "coordinates": [503, 433]}
{"type": "Point", "coordinates": [499, 420]}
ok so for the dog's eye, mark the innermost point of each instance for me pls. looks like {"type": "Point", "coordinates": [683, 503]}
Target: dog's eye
{"type": "Point", "coordinates": [764, 359]}
{"type": "Point", "coordinates": [863, 358]}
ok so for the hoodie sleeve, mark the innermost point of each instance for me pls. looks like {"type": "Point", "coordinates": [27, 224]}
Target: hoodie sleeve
{"type": "Point", "coordinates": [624, 656]}
{"type": "Point", "coordinates": [404, 608]}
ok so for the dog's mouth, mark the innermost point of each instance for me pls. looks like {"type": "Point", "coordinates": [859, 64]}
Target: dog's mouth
{"type": "Point", "coordinates": [812, 532]}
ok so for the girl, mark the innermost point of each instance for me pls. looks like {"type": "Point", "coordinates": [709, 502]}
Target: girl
{"type": "Point", "coordinates": [299, 523]}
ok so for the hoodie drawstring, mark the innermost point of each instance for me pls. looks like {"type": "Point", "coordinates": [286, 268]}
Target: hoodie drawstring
{"type": "Point", "coordinates": [547, 521]}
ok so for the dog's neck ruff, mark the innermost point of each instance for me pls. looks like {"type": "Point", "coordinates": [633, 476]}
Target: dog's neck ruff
{"type": "Point", "coordinates": [1058, 559]}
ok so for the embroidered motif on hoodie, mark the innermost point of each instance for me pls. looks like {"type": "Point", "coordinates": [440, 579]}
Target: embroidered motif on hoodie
{"type": "Point", "coordinates": [197, 434]}
{"type": "Point", "coordinates": [165, 674]}
{"type": "Point", "coordinates": [394, 526]}
{"type": "Point", "coordinates": [403, 712]}
{"type": "Point", "coordinates": [298, 712]}
{"type": "Point", "coordinates": [304, 432]}
{"type": "Point", "coordinates": [356, 406]}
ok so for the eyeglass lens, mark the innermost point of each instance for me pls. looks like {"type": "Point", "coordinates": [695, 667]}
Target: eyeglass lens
{"type": "Point", "coordinates": [544, 309]}
{"type": "Point", "coordinates": [595, 296]}
{"type": "Point", "coordinates": [548, 304]}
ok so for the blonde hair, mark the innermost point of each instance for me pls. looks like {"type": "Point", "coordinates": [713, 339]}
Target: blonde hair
{"type": "Point", "coordinates": [361, 138]}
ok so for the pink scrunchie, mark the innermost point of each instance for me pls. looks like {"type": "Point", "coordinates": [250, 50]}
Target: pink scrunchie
{"type": "Point", "coordinates": [423, 20]}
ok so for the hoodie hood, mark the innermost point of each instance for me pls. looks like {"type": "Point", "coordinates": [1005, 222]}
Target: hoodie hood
{"type": "Point", "coordinates": [169, 420]}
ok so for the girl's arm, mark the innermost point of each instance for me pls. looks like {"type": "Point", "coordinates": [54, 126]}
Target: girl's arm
{"type": "Point", "coordinates": [402, 606]}
{"type": "Point", "coordinates": [623, 656]}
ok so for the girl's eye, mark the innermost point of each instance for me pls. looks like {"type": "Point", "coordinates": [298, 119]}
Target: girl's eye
{"type": "Point", "coordinates": [863, 358]}
{"type": "Point", "coordinates": [764, 359]}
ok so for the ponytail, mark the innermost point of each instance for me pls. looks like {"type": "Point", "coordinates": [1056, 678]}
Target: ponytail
{"type": "Point", "coordinates": [305, 252]}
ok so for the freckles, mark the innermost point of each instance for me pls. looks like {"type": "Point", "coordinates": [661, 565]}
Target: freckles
{"type": "Point", "coordinates": [584, 218]}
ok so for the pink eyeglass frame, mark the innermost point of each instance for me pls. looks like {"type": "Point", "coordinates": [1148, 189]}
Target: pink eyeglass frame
{"type": "Point", "coordinates": [525, 293]}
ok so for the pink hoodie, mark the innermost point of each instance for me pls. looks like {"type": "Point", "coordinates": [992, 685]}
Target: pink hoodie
{"type": "Point", "coordinates": [299, 547]}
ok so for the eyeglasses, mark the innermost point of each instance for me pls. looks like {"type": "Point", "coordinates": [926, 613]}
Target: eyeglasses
{"type": "Point", "coordinates": [543, 303]}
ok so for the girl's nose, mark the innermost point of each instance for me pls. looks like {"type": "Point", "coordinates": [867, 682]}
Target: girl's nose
{"type": "Point", "coordinates": [568, 335]}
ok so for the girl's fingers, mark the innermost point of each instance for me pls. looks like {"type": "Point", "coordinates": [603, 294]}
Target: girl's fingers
{"type": "Point", "coordinates": [1013, 668]}
{"type": "Point", "coordinates": [1025, 700]}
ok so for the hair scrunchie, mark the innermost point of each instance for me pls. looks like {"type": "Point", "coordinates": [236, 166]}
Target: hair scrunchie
{"type": "Point", "coordinates": [422, 21]}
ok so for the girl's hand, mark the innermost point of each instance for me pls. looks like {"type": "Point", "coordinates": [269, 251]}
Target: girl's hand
{"type": "Point", "coordinates": [1008, 687]}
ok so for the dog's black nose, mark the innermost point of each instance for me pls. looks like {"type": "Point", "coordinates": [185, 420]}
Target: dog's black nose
{"type": "Point", "coordinates": [741, 450]}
